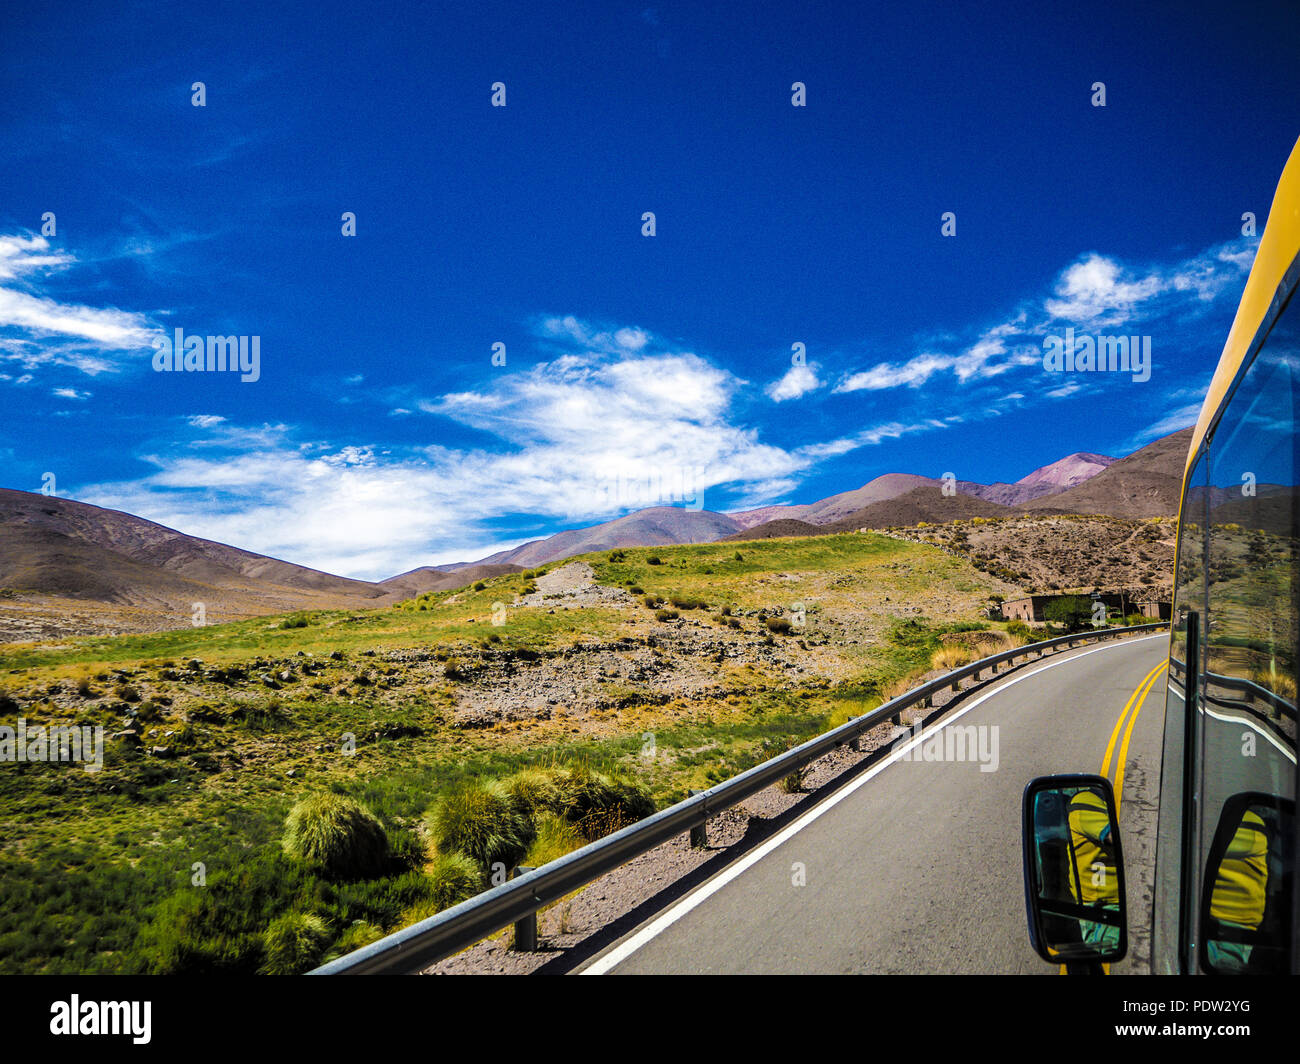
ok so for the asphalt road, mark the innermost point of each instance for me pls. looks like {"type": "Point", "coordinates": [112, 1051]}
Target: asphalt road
{"type": "Point", "coordinates": [915, 866]}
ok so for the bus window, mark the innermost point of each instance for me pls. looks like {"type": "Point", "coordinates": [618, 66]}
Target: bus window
{"type": "Point", "coordinates": [1246, 730]}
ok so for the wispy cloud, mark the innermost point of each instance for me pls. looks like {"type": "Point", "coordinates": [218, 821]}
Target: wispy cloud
{"type": "Point", "coordinates": [43, 330]}
{"type": "Point", "coordinates": [797, 381]}
{"type": "Point", "coordinates": [1094, 292]}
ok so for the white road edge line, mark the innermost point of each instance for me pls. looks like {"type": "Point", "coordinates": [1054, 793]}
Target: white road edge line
{"type": "Point", "coordinates": [1247, 721]}
{"type": "Point", "coordinates": [621, 952]}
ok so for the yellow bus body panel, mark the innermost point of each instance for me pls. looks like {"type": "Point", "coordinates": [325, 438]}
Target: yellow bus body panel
{"type": "Point", "coordinates": [1277, 250]}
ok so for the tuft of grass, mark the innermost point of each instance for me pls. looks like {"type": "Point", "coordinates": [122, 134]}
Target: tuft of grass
{"type": "Point", "coordinates": [455, 669]}
{"type": "Point", "coordinates": [951, 657]}
{"type": "Point", "coordinates": [360, 933]}
{"type": "Point", "coordinates": [597, 804]}
{"type": "Point", "coordinates": [294, 943]}
{"type": "Point", "coordinates": [480, 820]}
{"type": "Point", "coordinates": [533, 790]}
{"type": "Point", "coordinates": [666, 615]}
{"type": "Point", "coordinates": [453, 878]}
{"type": "Point", "coordinates": [555, 837]}
{"type": "Point", "coordinates": [779, 625]}
{"type": "Point", "coordinates": [338, 834]}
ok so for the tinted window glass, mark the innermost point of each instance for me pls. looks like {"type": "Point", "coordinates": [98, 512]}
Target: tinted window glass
{"type": "Point", "coordinates": [1247, 725]}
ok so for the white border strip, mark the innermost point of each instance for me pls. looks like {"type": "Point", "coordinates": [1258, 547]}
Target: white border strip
{"type": "Point", "coordinates": [608, 961]}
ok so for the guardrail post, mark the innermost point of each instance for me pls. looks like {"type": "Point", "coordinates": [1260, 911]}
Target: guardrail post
{"type": "Point", "coordinates": [525, 929]}
{"type": "Point", "coordinates": [699, 833]}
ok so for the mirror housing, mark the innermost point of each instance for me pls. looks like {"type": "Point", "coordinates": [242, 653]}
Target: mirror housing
{"type": "Point", "coordinates": [1245, 918]}
{"type": "Point", "coordinates": [1074, 871]}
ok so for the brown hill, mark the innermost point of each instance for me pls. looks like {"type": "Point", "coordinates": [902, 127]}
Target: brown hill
{"type": "Point", "coordinates": [926, 503]}
{"type": "Point", "coordinates": [431, 578]}
{"type": "Point", "coordinates": [658, 526]}
{"type": "Point", "coordinates": [1148, 483]}
{"type": "Point", "coordinates": [56, 554]}
{"type": "Point", "coordinates": [72, 548]}
{"type": "Point", "coordinates": [778, 529]}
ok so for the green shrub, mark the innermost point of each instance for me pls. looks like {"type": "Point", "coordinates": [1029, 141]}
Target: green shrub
{"type": "Point", "coordinates": [294, 943]}
{"type": "Point", "coordinates": [533, 791]}
{"type": "Point", "coordinates": [297, 620]}
{"type": "Point", "coordinates": [479, 585]}
{"type": "Point", "coordinates": [1070, 611]}
{"type": "Point", "coordinates": [453, 878]}
{"type": "Point", "coordinates": [555, 837]}
{"type": "Point", "coordinates": [666, 615]}
{"type": "Point", "coordinates": [481, 820]}
{"type": "Point", "coordinates": [597, 804]}
{"type": "Point", "coordinates": [360, 933]}
{"type": "Point", "coordinates": [1021, 630]}
{"type": "Point", "coordinates": [338, 834]}
{"type": "Point", "coordinates": [636, 589]}
{"type": "Point", "coordinates": [654, 559]}
{"type": "Point", "coordinates": [779, 625]}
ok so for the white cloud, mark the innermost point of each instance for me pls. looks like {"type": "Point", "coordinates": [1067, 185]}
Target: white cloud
{"type": "Point", "coordinates": [71, 393]}
{"type": "Point", "coordinates": [1096, 287]}
{"type": "Point", "coordinates": [1180, 418]}
{"type": "Point", "coordinates": [205, 421]}
{"type": "Point", "coordinates": [912, 374]}
{"type": "Point", "coordinates": [579, 437]}
{"type": "Point", "coordinates": [1094, 292]}
{"type": "Point", "coordinates": [797, 381]}
{"type": "Point", "coordinates": [90, 339]}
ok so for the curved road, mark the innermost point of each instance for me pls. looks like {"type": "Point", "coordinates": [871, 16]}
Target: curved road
{"type": "Point", "coordinates": [915, 866]}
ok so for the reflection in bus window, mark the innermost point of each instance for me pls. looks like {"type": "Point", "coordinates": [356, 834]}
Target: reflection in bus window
{"type": "Point", "coordinates": [1246, 733]}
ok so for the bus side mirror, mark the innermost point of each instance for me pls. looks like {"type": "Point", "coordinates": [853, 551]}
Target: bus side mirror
{"type": "Point", "coordinates": [1246, 898]}
{"type": "Point", "coordinates": [1074, 871]}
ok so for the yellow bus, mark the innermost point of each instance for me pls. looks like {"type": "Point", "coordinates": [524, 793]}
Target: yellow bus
{"type": "Point", "coordinates": [1225, 899]}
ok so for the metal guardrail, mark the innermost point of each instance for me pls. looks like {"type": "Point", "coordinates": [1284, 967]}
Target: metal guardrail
{"type": "Point", "coordinates": [1279, 707]}
{"type": "Point", "coordinates": [454, 929]}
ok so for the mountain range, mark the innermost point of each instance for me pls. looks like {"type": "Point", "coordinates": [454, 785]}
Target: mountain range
{"type": "Point", "coordinates": [69, 550]}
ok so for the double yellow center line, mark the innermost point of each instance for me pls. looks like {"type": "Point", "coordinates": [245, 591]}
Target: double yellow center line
{"type": "Point", "coordinates": [1131, 710]}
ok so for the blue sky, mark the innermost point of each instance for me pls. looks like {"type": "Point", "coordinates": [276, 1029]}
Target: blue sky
{"type": "Point", "coordinates": [380, 436]}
